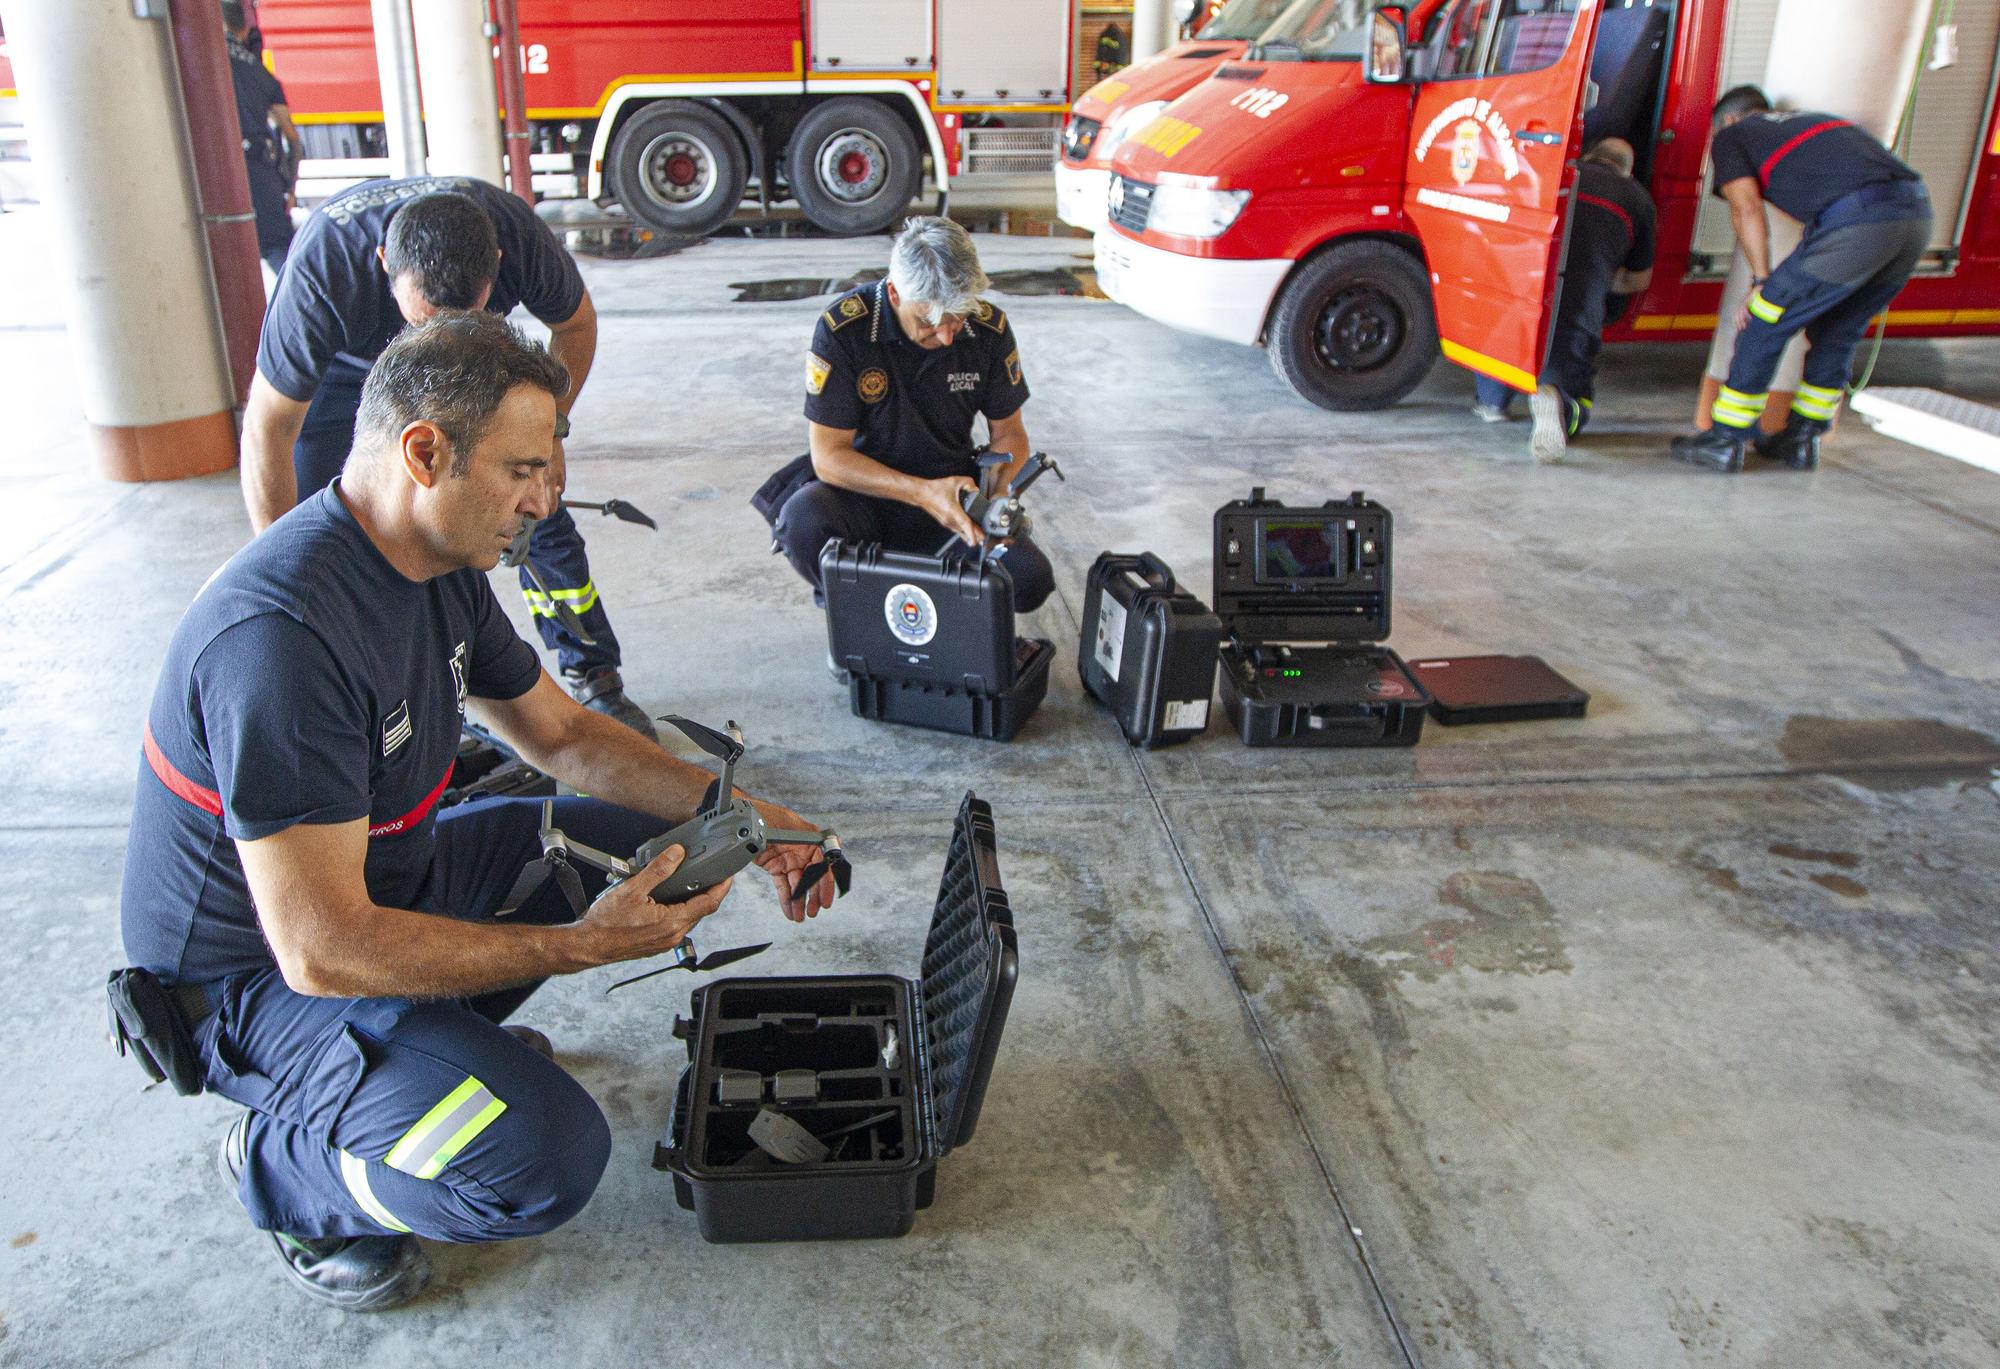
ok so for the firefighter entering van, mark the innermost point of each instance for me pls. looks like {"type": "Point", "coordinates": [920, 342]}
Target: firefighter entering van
{"type": "Point", "coordinates": [1868, 221]}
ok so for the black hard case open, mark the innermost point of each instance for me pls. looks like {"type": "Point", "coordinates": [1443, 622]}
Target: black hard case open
{"type": "Point", "coordinates": [1147, 650]}
{"type": "Point", "coordinates": [973, 677]}
{"type": "Point", "coordinates": [1350, 691]}
{"type": "Point", "coordinates": [948, 1023]}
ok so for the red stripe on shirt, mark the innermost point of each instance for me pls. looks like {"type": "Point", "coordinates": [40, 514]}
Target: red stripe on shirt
{"type": "Point", "coordinates": [417, 814]}
{"type": "Point", "coordinates": [1631, 233]}
{"type": "Point", "coordinates": [1771, 162]}
{"type": "Point", "coordinates": [207, 800]}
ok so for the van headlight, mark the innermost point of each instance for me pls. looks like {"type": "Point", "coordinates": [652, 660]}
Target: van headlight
{"type": "Point", "coordinates": [1128, 123]}
{"type": "Point", "coordinates": [1186, 212]}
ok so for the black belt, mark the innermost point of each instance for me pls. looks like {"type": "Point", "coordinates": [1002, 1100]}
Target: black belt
{"type": "Point", "coordinates": [193, 1001]}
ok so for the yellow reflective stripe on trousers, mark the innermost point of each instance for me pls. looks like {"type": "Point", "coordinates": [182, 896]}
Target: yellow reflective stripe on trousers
{"type": "Point", "coordinates": [445, 1130]}
{"type": "Point", "coordinates": [1764, 309]}
{"type": "Point", "coordinates": [354, 1172]}
{"type": "Point", "coordinates": [1737, 409]}
{"type": "Point", "coordinates": [1816, 401]}
{"type": "Point", "coordinates": [580, 600]}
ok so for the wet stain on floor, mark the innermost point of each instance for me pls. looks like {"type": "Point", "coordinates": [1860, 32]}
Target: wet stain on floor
{"type": "Point", "coordinates": [1842, 885]}
{"type": "Point", "coordinates": [1845, 860]}
{"type": "Point", "coordinates": [1509, 928]}
{"type": "Point", "coordinates": [1889, 755]}
{"type": "Point", "coordinates": [1076, 281]}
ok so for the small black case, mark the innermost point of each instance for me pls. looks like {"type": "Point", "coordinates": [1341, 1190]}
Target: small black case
{"type": "Point", "coordinates": [886, 1121]}
{"type": "Point", "coordinates": [1147, 650]}
{"type": "Point", "coordinates": [1497, 689]}
{"type": "Point", "coordinates": [928, 641]}
{"type": "Point", "coordinates": [1304, 594]}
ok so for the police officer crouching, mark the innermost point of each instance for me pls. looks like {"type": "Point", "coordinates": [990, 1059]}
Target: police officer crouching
{"type": "Point", "coordinates": [897, 373]}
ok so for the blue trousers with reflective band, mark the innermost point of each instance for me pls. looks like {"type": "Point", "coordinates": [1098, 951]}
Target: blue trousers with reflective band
{"type": "Point", "coordinates": [1854, 259]}
{"type": "Point", "coordinates": [379, 1115]}
{"type": "Point", "coordinates": [556, 547]}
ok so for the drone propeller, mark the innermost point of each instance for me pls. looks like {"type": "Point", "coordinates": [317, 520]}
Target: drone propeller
{"type": "Point", "coordinates": [553, 863]}
{"type": "Point", "coordinates": [615, 508]}
{"type": "Point", "coordinates": [720, 745]}
{"type": "Point", "coordinates": [834, 860]}
{"type": "Point", "coordinates": [684, 959]}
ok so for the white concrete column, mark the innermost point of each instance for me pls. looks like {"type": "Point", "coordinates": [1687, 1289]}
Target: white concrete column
{"type": "Point", "coordinates": [461, 101]}
{"type": "Point", "coordinates": [1152, 27]}
{"type": "Point", "coordinates": [119, 192]}
{"type": "Point", "coordinates": [396, 69]}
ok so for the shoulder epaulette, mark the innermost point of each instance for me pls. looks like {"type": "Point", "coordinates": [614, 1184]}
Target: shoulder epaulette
{"type": "Point", "coordinates": [846, 311]}
{"type": "Point", "coordinates": [986, 314]}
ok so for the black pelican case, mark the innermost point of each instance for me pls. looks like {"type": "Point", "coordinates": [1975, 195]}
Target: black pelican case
{"type": "Point", "coordinates": [819, 1052]}
{"type": "Point", "coordinates": [929, 641]}
{"type": "Point", "coordinates": [1147, 650]}
{"type": "Point", "coordinates": [1303, 593]}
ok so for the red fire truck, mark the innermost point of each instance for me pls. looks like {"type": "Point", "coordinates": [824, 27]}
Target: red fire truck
{"type": "Point", "coordinates": [1358, 214]}
{"type": "Point", "coordinates": [1113, 108]}
{"type": "Point", "coordinates": [674, 108]}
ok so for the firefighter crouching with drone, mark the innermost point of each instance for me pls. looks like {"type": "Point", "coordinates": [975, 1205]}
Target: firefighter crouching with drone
{"type": "Point", "coordinates": [343, 955]}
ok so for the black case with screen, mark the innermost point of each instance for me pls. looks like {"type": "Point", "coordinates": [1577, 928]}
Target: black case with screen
{"type": "Point", "coordinates": [929, 641]}
{"type": "Point", "coordinates": [888, 1115]}
{"type": "Point", "coordinates": [1303, 593]}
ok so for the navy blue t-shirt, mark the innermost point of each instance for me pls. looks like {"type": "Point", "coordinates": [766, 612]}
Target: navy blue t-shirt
{"type": "Point", "coordinates": [910, 407]}
{"type": "Point", "coordinates": [334, 298]}
{"type": "Point", "coordinates": [1803, 161]}
{"type": "Point", "coordinates": [1614, 231]}
{"type": "Point", "coordinates": [256, 91]}
{"type": "Point", "coordinates": [308, 682]}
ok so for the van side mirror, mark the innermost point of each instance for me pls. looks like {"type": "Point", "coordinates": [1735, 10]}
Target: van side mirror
{"type": "Point", "coordinates": [1386, 63]}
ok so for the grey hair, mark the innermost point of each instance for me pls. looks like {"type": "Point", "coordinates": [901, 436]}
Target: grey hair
{"type": "Point", "coordinates": [453, 371]}
{"type": "Point", "coordinates": [935, 264]}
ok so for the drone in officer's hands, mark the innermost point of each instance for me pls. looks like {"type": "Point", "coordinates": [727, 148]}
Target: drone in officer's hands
{"type": "Point", "coordinates": [998, 513]}
{"type": "Point", "coordinates": [718, 841]}
{"type": "Point", "coordinates": [517, 555]}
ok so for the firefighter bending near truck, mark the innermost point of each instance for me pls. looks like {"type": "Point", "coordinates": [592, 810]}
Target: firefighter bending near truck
{"type": "Point", "coordinates": [1610, 260]}
{"type": "Point", "coordinates": [1868, 221]}
{"type": "Point", "coordinates": [368, 261]}
{"type": "Point", "coordinates": [330, 937]}
{"type": "Point", "coordinates": [896, 376]}
{"type": "Point", "coordinates": [271, 145]}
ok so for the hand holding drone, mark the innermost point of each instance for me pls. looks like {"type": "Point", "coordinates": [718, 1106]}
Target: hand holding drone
{"type": "Point", "coordinates": [717, 842]}
{"type": "Point", "coordinates": [999, 513]}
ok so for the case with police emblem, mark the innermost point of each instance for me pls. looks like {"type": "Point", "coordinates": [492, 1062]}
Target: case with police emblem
{"type": "Point", "coordinates": [928, 641]}
{"type": "Point", "coordinates": [1304, 595]}
{"type": "Point", "coordinates": [872, 1078]}
{"type": "Point", "coordinates": [1148, 648]}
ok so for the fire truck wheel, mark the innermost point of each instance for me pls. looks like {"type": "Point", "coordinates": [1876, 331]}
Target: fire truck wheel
{"type": "Point", "coordinates": [1354, 328]}
{"type": "Point", "coordinates": [853, 166]}
{"type": "Point", "coordinates": [678, 168]}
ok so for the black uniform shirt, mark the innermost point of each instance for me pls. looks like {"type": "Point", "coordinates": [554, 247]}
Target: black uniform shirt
{"type": "Point", "coordinates": [334, 298]}
{"type": "Point", "coordinates": [1803, 162]}
{"type": "Point", "coordinates": [256, 91]}
{"type": "Point", "coordinates": [1613, 231]}
{"type": "Point", "coordinates": [911, 408]}
{"type": "Point", "coordinates": [309, 682]}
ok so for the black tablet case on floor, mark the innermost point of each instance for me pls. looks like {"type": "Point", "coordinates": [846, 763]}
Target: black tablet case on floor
{"type": "Point", "coordinates": [1497, 689]}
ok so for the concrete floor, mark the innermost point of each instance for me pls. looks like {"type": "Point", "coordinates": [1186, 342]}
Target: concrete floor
{"type": "Point", "coordinates": [1667, 1036]}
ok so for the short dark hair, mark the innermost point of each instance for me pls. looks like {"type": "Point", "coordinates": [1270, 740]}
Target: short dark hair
{"type": "Point", "coordinates": [233, 17]}
{"type": "Point", "coordinates": [1741, 100]}
{"type": "Point", "coordinates": [452, 370]}
{"type": "Point", "coordinates": [446, 242]}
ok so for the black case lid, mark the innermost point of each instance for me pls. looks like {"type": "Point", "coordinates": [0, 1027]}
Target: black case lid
{"type": "Point", "coordinates": [970, 964]}
{"type": "Point", "coordinates": [1352, 607]}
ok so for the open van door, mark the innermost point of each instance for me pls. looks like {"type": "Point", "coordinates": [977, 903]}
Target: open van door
{"type": "Point", "coordinates": [1495, 129]}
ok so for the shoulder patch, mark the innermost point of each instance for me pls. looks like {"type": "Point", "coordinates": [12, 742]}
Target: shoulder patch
{"type": "Point", "coordinates": [1014, 366]}
{"type": "Point", "coordinates": [986, 314]}
{"type": "Point", "coordinates": [846, 312]}
{"type": "Point", "coordinates": [818, 369]}
{"type": "Point", "coordinates": [873, 385]}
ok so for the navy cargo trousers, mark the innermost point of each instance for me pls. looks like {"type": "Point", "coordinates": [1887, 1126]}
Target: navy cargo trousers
{"type": "Point", "coordinates": [372, 1116]}
{"type": "Point", "coordinates": [556, 547]}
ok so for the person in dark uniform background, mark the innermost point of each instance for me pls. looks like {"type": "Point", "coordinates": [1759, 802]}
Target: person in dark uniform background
{"type": "Point", "coordinates": [271, 144]}
{"type": "Point", "coordinates": [1610, 259]}
{"type": "Point", "coordinates": [897, 373]}
{"type": "Point", "coordinates": [389, 252]}
{"type": "Point", "coordinates": [335, 941]}
{"type": "Point", "coordinates": [1868, 222]}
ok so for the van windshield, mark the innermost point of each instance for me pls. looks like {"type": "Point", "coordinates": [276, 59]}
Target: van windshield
{"type": "Point", "coordinates": [1241, 19]}
{"type": "Point", "coordinates": [1317, 31]}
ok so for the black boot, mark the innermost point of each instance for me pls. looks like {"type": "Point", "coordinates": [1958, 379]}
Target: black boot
{"type": "Point", "coordinates": [1797, 444]}
{"type": "Point", "coordinates": [1718, 449]}
{"type": "Point", "coordinates": [353, 1273]}
{"type": "Point", "coordinates": [603, 691]}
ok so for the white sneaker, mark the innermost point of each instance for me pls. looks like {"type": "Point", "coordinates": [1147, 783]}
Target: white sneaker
{"type": "Point", "coordinates": [1490, 413]}
{"type": "Point", "coordinates": [1550, 438]}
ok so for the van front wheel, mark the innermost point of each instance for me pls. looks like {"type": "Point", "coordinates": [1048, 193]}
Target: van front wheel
{"type": "Point", "coordinates": [1354, 328]}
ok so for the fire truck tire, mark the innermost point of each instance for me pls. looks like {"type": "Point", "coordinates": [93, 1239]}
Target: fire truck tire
{"type": "Point", "coordinates": [853, 166]}
{"type": "Point", "coordinates": [1354, 327]}
{"type": "Point", "coordinates": [678, 168]}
